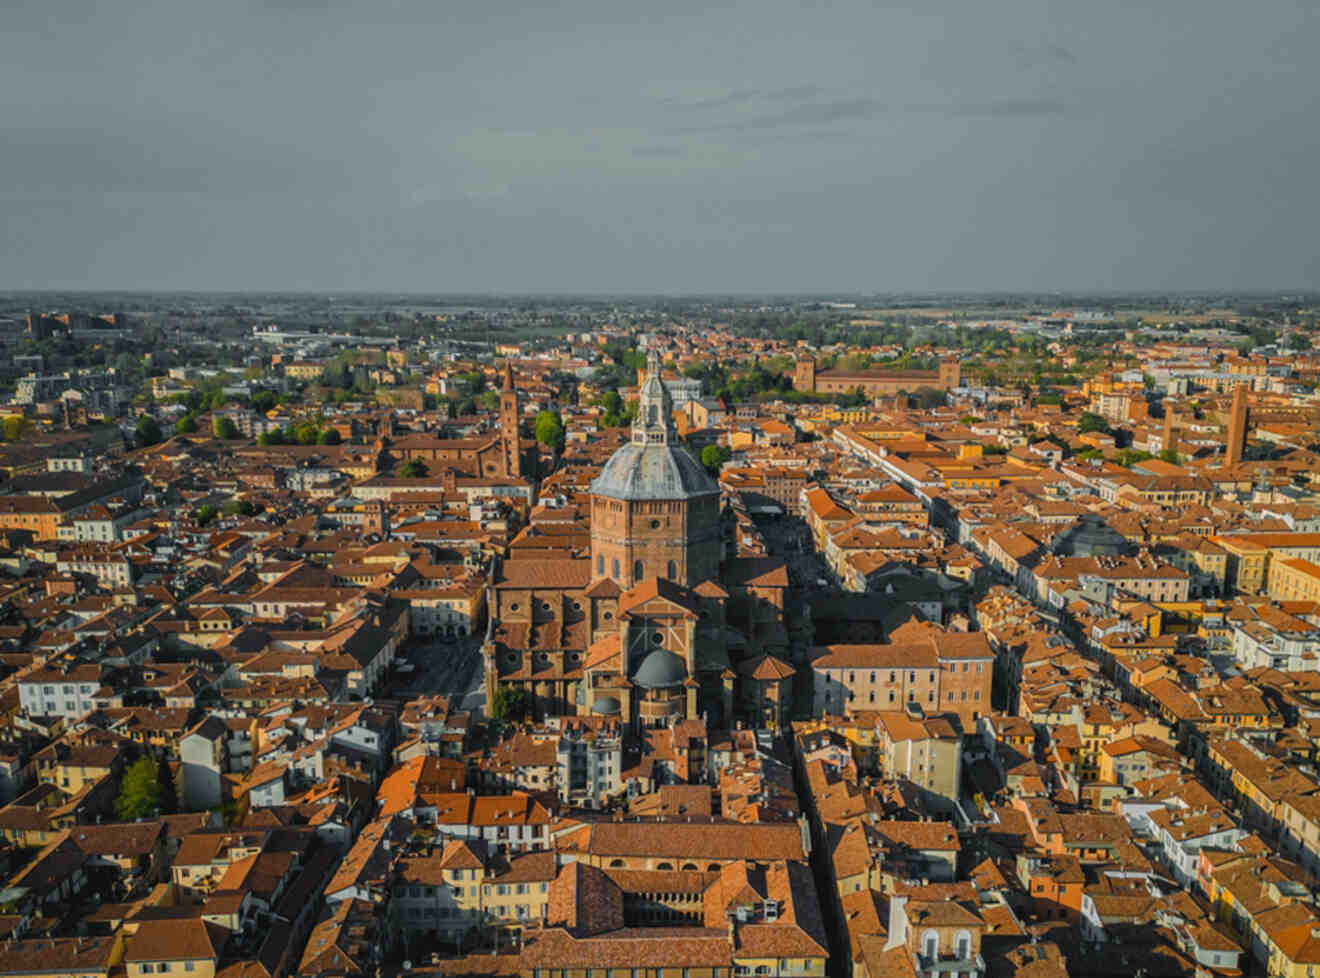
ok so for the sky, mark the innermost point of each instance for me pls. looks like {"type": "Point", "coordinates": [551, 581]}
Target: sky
{"type": "Point", "coordinates": [660, 147]}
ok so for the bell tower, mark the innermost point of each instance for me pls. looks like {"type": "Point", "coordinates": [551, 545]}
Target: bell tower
{"type": "Point", "coordinates": [509, 440]}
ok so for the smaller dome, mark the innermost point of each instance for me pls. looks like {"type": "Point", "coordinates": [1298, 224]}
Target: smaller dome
{"type": "Point", "coordinates": [1091, 536]}
{"type": "Point", "coordinates": [606, 706]}
{"type": "Point", "coordinates": [660, 669]}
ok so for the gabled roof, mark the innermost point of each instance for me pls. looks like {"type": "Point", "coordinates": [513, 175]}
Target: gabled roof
{"type": "Point", "coordinates": [677, 596]}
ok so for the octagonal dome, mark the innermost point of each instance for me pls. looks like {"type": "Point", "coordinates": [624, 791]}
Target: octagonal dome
{"type": "Point", "coordinates": [661, 668]}
{"type": "Point", "coordinates": [653, 471]}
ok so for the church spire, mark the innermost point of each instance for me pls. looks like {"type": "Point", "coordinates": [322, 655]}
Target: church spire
{"type": "Point", "coordinates": [654, 424]}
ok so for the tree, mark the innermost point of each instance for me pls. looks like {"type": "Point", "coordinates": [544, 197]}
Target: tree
{"type": "Point", "coordinates": [140, 791]}
{"type": "Point", "coordinates": [1129, 457]}
{"type": "Point", "coordinates": [510, 704]}
{"type": "Point", "coordinates": [328, 436]}
{"type": "Point", "coordinates": [224, 429]}
{"type": "Point", "coordinates": [186, 425]}
{"type": "Point", "coordinates": [263, 401]}
{"type": "Point", "coordinates": [273, 437]}
{"type": "Point", "coordinates": [238, 507]}
{"type": "Point", "coordinates": [1090, 421]}
{"type": "Point", "coordinates": [550, 431]}
{"type": "Point", "coordinates": [205, 514]}
{"type": "Point", "coordinates": [169, 793]}
{"type": "Point", "coordinates": [1170, 456]}
{"type": "Point", "coordinates": [713, 457]}
{"type": "Point", "coordinates": [17, 427]}
{"type": "Point", "coordinates": [414, 468]}
{"type": "Point", "coordinates": [147, 431]}
{"type": "Point", "coordinates": [928, 398]}
{"type": "Point", "coordinates": [1090, 454]}
{"type": "Point", "coordinates": [306, 434]}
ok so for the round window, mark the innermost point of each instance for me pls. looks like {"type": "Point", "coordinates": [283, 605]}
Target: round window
{"type": "Point", "coordinates": [609, 615]}
{"type": "Point", "coordinates": [657, 638]}
{"type": "Point", "coordinates": [514, 606]}
{"type": "Point", "coordinates": [655, 524]}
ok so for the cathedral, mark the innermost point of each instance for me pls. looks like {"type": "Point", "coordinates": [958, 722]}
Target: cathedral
{"type": "Point", "coordinates": [656, 624]}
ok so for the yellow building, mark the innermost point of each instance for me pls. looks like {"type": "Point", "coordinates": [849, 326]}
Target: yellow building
{"type": "Point", "coordinates": [1246, 564]}
{"type": "Point", "coordinates": [1293, 579]}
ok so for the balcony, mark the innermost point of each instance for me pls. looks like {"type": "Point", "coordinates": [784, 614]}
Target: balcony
{"type": "Point", "coordinates": [937, 967]}
{"type": "Point", "coordinates": [662, 707]}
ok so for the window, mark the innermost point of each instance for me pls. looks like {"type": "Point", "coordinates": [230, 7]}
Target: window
{"type": "Point", "coordinates": [930, 945]}
{"type": "Point", "coordinates": [638, 570]}
{"type": "Point", "coordinates": [615, 567]}
{"type": "Point", "coordinates": [672, 571]}
{"type": "Point", "coordinates": [600, 564]}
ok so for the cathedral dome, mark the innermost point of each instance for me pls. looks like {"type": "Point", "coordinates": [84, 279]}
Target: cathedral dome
{"type": "Point", "coordinates": [653, 465]}
{"type": "Point", "coordinates": [653, 471]}
{"type": "Point", "coordinates": [661, 669]}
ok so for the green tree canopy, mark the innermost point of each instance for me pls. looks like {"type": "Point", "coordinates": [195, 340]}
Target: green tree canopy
{"type": "Point", "coordinates": [550, 430]}
{"type": "Point", "coordinates": [147, 431]}
{"type": "Point", "coordinates": [263, 401]}
{"type": "Point", "coordinates": [224, 429]}
{"type": "Point", "coordinates": [186, 425]}
{"type": "Point", "coordinates": [714, 456]}
{"type": "Point", "coordinates": [414, 468]}
{"type": "Point", "coordinates": [306, 433]}
{"type": "Point", "coordinates": [328, 436]}
{"type": "Point", "coordinates": [238, 507]}
{"type": "Point", "coordinates": [139, 791]}
{"type": "Point", "coordinates": [16, 427]}
{"type": "Point", "coordinates": [1090, 421]}
{"type": "Point", "coordinates": [510, 704]}
{"type": "Point", "coordinates": [205, 514]}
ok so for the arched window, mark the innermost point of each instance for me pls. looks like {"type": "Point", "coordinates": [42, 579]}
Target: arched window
{"type": "Point", "coordinates": [637, 571]}
{"type": "Point", "coordinates": [690, 867]}
{"type": "Point", "coordinates": [664, 866]}
{"type": "Point", "coordinates": [964, 945]}
{"type": "Point", "coordinates": [600, 565]}
{"type": "Point", "coordinates": [651, 415]}
{"type": "Point", "coordinates": [616, 864]}
{"type": "Point", "coordinates": [930, 945]}
{"type": "Point", "coordinates": [673, 571]}
{"type": "Point", "coordinates": [615, 568]}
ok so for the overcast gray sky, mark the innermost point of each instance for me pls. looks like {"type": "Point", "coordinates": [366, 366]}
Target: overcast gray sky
{"type": "Point", "coordinates": [673, 146]}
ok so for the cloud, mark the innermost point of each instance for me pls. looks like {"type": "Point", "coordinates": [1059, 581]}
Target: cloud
{"type": "Point", "coordinates": [816, 113]}
{"type": "Point", "coordinates": [1020, 108]}
{"type": "Point", "coordinates": [660, 151]}
{"type": "Point", "coordinates": [746, 96]}
{"type": "Point", "coordinates": [1060, 53]}
{"type": "Point", "coordinates": [1041, 55]}
{"type": "Point", "coordinates": [832, 112]}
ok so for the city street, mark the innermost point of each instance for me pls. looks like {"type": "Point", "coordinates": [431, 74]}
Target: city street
{"type": "Point", "coordinates": [448, 666]}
